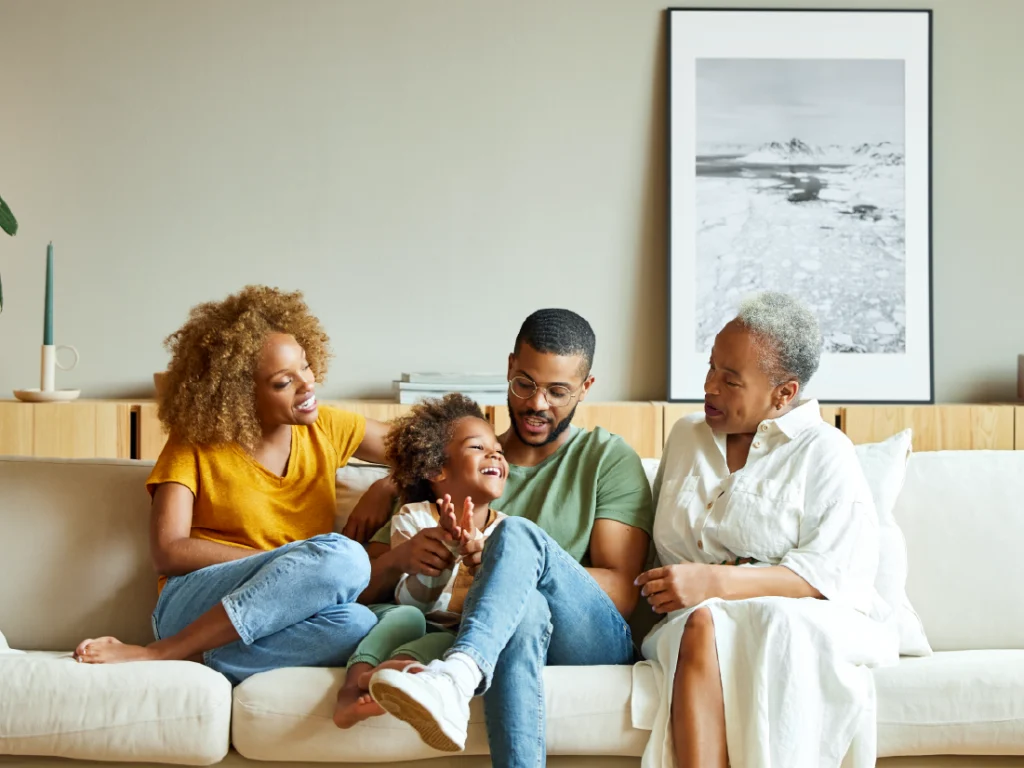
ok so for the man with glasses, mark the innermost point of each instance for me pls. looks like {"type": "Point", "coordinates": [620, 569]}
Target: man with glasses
{"type": "Point", "coordinates": [554, 585]}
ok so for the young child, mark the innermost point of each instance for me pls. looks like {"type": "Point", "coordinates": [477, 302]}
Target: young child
{"type": "Point", "coordinates": [444, 456]}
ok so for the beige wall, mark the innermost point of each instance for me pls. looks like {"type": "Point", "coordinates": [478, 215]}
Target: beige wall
{"type": "Point", "coordinates": [428, 173]}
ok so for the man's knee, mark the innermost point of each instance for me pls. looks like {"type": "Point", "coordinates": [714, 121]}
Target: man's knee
{"type": "Point", "coordinates": [515, 532]}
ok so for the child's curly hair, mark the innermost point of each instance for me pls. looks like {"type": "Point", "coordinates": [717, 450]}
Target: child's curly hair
{"type": "Point", "coordinates": [210, 391]}
{"type": "Point", "coordinates": [416, 445]}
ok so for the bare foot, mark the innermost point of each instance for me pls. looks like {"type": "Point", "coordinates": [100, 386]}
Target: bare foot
{"type": "Point", "coordinates": [354, 706]}
{"type": "Point", "coordinates": [354, 701]}
{"type": "Point", "coordinates": [110, 650]}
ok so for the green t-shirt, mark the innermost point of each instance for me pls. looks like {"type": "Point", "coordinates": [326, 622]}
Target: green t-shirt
{"type": "Point", "coordinates": [595, 475]}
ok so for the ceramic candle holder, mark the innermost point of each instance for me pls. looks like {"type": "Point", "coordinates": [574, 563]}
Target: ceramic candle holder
{"type": "Point", "coordinates": [48, 392]}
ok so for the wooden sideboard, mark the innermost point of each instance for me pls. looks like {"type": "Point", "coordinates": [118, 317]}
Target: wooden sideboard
{"type": "Point", "coordinates": [130, 429]}
{"type": "Point", "coordinates": [936, 428]}
{"type": "Point", "coordinates": [150, 436]}
{"type": "Point", "coordinates": [642, 425]}
{"type": "Point", "coordinates": [79, 430]}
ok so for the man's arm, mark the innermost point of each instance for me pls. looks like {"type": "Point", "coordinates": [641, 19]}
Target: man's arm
{"type": "Point", "coordinates": [617, 555]}
{"type": "Point", "coordinates": [173, 550]}
{"type": "Point", "coordinates": [372, 511]}
{"type": "Point", "coordinates": [385, 571]}
{"type": "Point", "coordinates": [619, 541]}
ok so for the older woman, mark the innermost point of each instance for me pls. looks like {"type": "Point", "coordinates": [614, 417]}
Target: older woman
{"type": "Point", "coordinates": [767, 538]}
{"type": "Point", "coordinates": [251, 575]}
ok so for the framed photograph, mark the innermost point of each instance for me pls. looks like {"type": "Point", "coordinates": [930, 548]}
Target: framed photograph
{"type": "Point", "coordinates": [800, 161]}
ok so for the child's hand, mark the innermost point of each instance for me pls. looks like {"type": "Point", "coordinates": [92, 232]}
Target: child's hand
{"type": "Point", "coordinates": [467, 525]}
{"type": "Point", "coordinates": [446, 518]}
{"type": "Point", "coordinates": [472, 554]}
{"type": "Point", "coordinates": [426, 553]}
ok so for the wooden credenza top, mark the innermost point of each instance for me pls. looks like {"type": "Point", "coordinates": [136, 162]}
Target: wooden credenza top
{"type": "Point", "coordinates": [129, 428]}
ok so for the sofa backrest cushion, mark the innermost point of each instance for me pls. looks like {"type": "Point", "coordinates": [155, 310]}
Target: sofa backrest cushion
{"type": "Point", "coordinates": [962, 513]}
{"type": "Point", "coordinates": [74, 552]}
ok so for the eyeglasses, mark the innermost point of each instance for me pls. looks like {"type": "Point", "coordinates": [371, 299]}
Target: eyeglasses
{"type": "Point", "coordinates": [556, 395]}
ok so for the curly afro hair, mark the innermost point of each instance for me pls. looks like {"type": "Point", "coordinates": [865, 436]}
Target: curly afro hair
{"type": "Point", "coordinates": [416, 445]}
{"type": "Point", "coordinates": [210, 391]}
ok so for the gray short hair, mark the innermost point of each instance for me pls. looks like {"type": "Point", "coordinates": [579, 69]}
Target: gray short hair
{"type": "Point", "coordinates": [793, 341]}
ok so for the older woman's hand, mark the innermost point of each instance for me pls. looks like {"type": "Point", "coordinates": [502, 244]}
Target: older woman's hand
{"type": "Point", "coordinates": [674, 587]}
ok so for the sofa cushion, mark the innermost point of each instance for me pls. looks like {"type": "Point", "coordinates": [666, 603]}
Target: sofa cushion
{"type": "Point", "coordinates": [286, 715]}
{"type": "Point", "coordinates": [350, 483]}
{"type": "Point", "coordinates": [952, 703]}
{"type": "Point", "coordinates": [961, 514]}
{"type": "Point", "coordinates": [75, 519]}
{"type": "Point", "coordinates": [160, 711]}
{"type": "Point", "coordinates": [885, 468]}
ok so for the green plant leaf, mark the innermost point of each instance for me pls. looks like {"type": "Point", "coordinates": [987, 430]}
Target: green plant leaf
{"type": "Point", "coordinates": [1, 295]}
{"type": "Point", "coordinates": [8, 223]}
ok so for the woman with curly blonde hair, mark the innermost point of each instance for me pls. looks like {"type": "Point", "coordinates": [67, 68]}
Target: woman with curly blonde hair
{"type": "Point", "coordinates": [251, 575]}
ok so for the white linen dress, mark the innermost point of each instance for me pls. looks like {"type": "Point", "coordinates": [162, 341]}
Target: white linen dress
{"type": "Point", "coordinates": [795, 673]}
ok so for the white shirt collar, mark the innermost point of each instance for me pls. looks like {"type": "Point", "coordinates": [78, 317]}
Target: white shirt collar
{"type": "Point", "coordinates": [805, 415]}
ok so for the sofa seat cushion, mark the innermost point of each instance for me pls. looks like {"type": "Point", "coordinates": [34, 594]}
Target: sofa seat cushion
{"type": "Point", "coordinates": [159, 711]}
{"type": "Point", "coordinates": [285, 715]}
{"type": "Point", "coordinates": [952, 703]}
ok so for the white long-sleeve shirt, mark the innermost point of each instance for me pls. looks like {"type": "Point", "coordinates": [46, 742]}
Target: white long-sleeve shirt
{"type": "Point", "coordinates": [801, 501]}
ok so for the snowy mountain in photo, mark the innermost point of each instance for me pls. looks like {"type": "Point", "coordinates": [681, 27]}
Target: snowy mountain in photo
{"type": "Point", "coordinates": [798, 152]}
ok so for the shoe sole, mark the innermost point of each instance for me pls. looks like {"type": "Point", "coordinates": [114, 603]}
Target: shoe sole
{"type": "Point", "coordinates": [399, 703]}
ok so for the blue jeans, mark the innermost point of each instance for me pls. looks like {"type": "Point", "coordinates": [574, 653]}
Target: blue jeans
{"type": "Point", "coordinates": [531, 604]}
{"type": "Point", "coordinates": [292, 607]}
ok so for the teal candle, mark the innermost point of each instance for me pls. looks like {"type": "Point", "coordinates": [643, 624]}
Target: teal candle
{"type": "Point", "coordinates": [48, 310]}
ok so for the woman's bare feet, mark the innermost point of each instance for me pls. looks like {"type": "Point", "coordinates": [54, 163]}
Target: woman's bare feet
{"type": "Point", "coordinates": [110, 650]}
{"type": "Point", "coordinates": [354, 701]}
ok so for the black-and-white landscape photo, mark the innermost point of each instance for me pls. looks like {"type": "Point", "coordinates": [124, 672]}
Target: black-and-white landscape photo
{"type": "Point", "coordinates": [800, 188]}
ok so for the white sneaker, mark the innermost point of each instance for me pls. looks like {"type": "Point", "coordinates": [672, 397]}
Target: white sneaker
{"type": "Point", "coordinates": [429, 701]}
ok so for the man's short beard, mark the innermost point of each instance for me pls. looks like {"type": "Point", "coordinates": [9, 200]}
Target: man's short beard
{"type": "Point", "coordinates": [556, 433]}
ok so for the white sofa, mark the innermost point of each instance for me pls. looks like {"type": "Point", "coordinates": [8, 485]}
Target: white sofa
{"type": "Point", "coordinates": [74, 563]}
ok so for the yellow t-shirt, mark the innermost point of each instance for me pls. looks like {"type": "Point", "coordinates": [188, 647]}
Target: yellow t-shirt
{"type": "Point", "coordinates": [240, 502]}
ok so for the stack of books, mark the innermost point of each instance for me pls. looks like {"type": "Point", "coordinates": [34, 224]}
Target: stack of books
{"type": "Point", "coordinates": [485, 389]}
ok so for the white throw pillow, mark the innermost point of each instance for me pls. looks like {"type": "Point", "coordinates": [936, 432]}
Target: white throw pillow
{"type": "Point", "coordinates": [885, 467]}
{"type": "Point", "coordinates": [651, 470]}
{"type": "Point", "coordinates": [350, 483]}
{"type": "Point", "coordinates": [4, 648]}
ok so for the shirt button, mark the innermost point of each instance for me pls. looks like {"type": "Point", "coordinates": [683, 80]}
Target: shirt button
{"type": "Point", "coordinates": [764, 427]}
{"type": "Point", "coordinates": [700, 545]}
{"type": "Point", "coordinates": [757, 444]}
{"type": "Point", "coordinates": [711, 504]}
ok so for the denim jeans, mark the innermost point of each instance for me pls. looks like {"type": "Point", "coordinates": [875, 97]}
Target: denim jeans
{"type": "Point", "coordinates": [292, 607]}
{"type": "Point", "coordinates": [531, 604]}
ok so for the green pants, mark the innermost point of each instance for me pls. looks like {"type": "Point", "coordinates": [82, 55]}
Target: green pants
{"type": "Point", "coordinates": [401, 630]}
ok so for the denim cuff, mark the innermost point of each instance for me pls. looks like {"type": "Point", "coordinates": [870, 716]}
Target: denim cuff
{"type": "Point", "coordinates": [485, 669]}
{"type": "Point", "coordinates": [236, 621]}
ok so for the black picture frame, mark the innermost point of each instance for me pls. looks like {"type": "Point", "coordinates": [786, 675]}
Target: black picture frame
{"type": "Point", "coordinates": [886, 354]}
